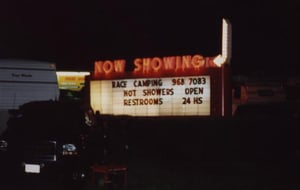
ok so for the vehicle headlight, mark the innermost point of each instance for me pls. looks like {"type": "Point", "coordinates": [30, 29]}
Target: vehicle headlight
{"type": "Point", "coordinates": [3, 145]}
{"type": "Point", "coordinates": [69, 149]}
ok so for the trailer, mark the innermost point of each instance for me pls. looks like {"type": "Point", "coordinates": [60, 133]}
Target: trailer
{"type": "Point", "coordinates": [23, 81]}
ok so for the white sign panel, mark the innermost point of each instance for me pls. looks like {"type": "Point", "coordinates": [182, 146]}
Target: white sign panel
{"type": "Point", "coordinates": [182, 96]}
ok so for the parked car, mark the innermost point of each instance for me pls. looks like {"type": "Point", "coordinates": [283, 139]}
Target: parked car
{"type": "Point", "coordinates": [45, 138]}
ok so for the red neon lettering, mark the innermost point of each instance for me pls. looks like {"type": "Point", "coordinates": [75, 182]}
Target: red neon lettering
{"type": "Point", "coordinates": [169, 63]}
{"type": "Point", "coordinates": [156, 64]}
{"type": "Point", "coordinates": [119, 65]}
{"type": "Point", "coordinates": [138, 65]}
{"type": "Point", "coordinates": [178, 63]}
{"type": "Point", "coordinates": [98, 67]}
{"type": "Point", "coordinates": [197, 61]}
{"type": "Point", "coordinates": [108, 67]}
{"type": "Point", "coordinates": [146, 65]}
{"type": "Point", "coordinates": [186, 60]}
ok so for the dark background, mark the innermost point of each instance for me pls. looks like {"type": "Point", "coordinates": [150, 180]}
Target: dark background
{"type": "Point", "coordinates": [74, 34]}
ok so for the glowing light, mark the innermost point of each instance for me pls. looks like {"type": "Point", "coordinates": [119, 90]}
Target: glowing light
{"type": "Point", "coordinates": [71, 80]}
{"type": "Point", "coordinates": [226, 44]}
{"type": "Point", "coordinates": [108, 67]}
{"type": "Point", "coordinates": [171, 63]}
{"type": "Point", "coordinates": [170, 96]}
{"type": "Point", "coordinates": [226, 39]}
{"type": "Point", "coordinates": [219, 60]}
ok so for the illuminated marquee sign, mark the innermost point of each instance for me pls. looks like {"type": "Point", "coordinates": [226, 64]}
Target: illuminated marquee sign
{"type": "Point", "coordinates": [187, 85]}
{"type": "Point", "coordinates": [165, 86]}
{"type": "Point", "coordinates": [170, 96]}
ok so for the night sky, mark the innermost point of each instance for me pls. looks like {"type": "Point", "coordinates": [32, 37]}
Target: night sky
{"type": "Point", "coordinates": [73, 34]}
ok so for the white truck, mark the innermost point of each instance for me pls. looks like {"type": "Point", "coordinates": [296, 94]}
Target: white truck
{"type": "Point", "coordinates": [23, 81]}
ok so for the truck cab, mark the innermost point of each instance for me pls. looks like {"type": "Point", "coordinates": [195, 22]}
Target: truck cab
{"type": "Point", "coordinates": [45, 138]}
